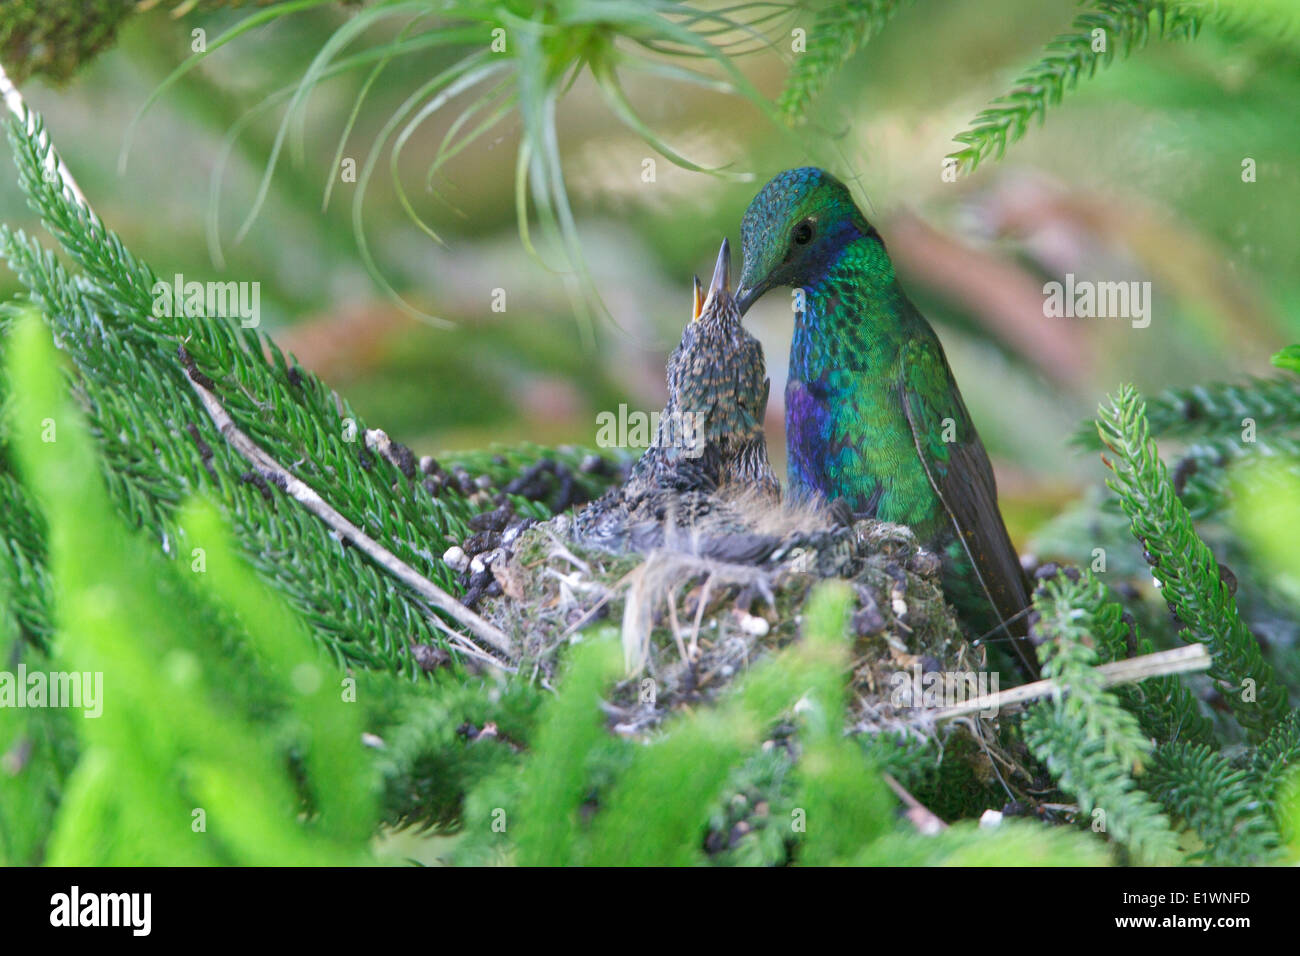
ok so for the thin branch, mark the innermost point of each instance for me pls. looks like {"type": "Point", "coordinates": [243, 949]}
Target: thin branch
{"type": "Point", "coordinates": [1129, 671]}
{"type": "Point", "coordinates": [920, 816]}
{"type": "Point", "coordinates": [304, 494]}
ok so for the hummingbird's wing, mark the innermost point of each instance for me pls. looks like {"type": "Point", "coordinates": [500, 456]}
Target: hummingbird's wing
{"type": "Point", "coordinates": [960, 473]}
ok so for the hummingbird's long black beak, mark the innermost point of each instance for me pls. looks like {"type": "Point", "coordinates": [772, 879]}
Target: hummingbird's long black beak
{"type": "Point", "coordinates": [748, 289]}
{"type": "Point", "coordinates": [721, 281]}
{"type": "Point", "coordinates": [745, 298]}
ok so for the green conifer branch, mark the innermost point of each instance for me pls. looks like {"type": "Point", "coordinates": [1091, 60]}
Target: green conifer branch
{"type": "Point", "coordinates": [167, 641]}
{"type": "Point", "coordinates": [1165, 708]}
{"type": "Point", "coordinates": [284, 408]}
{"type": "Point", "coordinates": [139, 368]}
{"type": "Point", "coordinates": [1202, 472]}
{"type": "Point", "coordinates": [1276, 757]}
{"type": "Point", "coordinates": [1126, 25]}
{"type": "Point", "coordinates": [156, 448]}
{"type": "Point", "coordinates": [1199, 787]}
{"type": "Point", "coordinates": [1088, 741]}
{"type": "Point", "coordinates": [1186, 568]}
{"type": "Point", "coordinates": [839, 30]}
{"type": "Point", "coordinates": [1218, 410]}
{"type": "Point", "coordinates": [441, 740]}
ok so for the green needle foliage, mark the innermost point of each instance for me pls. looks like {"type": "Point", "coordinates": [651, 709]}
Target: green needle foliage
{"type": "Point", "coordinates": [160, 447]}
{"type": "Point", "coordinates": [1217, 802]}
{"type": "Point", "coordinates": [1087, 739]}
{"type": "Point", "coordinates": [1164, 707]}
{"type": "Point", "coordinates": [154, 784]}
{"type": "Point", "coordinates": [1110, 27]}
{"type": "Point", "coordinates": [1227, 425]}
{"type": "Point", "coordinates": [1276, 757]}
{"type": "Point", "coordinates": [1188, 573]}
{"type": "Point", "coordinates": [1218, 410]}
{"type": "Point", "coordinates": [440, 741]}
{"type": "Point", "coordinates": [840, 29]}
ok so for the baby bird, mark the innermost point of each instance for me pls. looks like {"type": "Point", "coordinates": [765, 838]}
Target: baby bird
{"type": "Point", "coordinates": [710, 442]}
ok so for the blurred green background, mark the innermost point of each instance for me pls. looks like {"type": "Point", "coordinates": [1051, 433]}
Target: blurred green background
{"type": "Point", "coordinates": [1136, 176]}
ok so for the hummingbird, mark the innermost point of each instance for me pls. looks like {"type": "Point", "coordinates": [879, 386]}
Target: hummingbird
{"type": "Point", "coordinates": [875, 423]}
{"type": "Point", "coordinates": [709, 445]}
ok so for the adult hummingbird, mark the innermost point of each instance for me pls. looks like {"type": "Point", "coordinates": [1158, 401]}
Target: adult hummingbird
{"type": "Point", "coordinates": [874, 421]}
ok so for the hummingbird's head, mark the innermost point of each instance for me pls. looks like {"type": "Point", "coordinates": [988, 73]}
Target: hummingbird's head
{"type": "Point", "coordinates": [794, 229]}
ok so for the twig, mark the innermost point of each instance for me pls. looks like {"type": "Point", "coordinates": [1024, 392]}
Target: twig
{"type": "Point", "coordinates": [271, 469]}
{"type": "Point", "coordinates": [558, 548]}
{"type": "Point", "coordinates": [921, 816]}
{"type": "Point", "coordinates": [1193, 657]}
{"type": "Point", "coordinates": [53, 162]}
{"type": "Point", "coordinates": [703, 601]}
{"type": "Point", "coordinates": [677, 631]}
{"type": "Point", "coordinates": [468, 647]}
{"type": "Point", "coordinates": [305, 495]}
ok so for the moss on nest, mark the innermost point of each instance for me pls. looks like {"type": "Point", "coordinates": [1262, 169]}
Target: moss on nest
{"type": "Point", "coordinates": [692, 624]}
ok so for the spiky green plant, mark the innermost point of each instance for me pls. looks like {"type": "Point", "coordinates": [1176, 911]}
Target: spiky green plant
{"type": "Point", "coordinates": [135, 385]}
{"type": "Point", "coordinates": [1216, 410]}
{"type": "Point", "coordinates": [1109, 28]}
{"type": "Point", "coordinates": [1164, 706]}
{"type": "Point", "coordinates": [838, 30]}
{"type": "Point", "coordinates": [1216, 801]}
{"type": "Point", "coordinates": [136, 377]}
{"type": "Point", "coordinates": [1185, 567]}
{"type": "Point", "coordinates": [153, 784]}
{"type": "Point", "coordinates": [518, 58]}
{"type": "Point", "coordinates": [1088, 740]}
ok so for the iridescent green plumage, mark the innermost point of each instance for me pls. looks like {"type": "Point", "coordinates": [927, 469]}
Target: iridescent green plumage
{"type": "Point", "coordinates": [873, 416]}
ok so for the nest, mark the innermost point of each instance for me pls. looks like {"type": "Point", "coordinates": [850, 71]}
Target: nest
{"type": "Point", "coordinates": [693, 618]}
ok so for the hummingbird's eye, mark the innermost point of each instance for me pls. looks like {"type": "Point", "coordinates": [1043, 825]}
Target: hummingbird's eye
{"type": "Point", "coordinates": [803, 233]}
